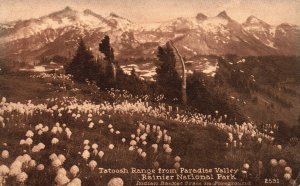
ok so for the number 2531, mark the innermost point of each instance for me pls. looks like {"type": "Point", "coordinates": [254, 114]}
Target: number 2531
{"type": "Point", "coordinates": [273, 180]}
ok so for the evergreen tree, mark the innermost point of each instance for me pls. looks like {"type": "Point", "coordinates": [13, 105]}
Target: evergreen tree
{"type": "Point", "coordinates": [167, 77]}
{"type": "Point", "coordinates": [133, 73]}
{"type": "Point", "coordinates": [82, 65]}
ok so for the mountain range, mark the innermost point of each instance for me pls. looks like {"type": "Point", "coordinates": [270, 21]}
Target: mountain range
{"type": "Point", "coordinates": [58, 34]}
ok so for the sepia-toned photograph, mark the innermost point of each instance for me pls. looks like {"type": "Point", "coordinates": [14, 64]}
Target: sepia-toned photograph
{"type": "Point", "coordinates": [149, 92]}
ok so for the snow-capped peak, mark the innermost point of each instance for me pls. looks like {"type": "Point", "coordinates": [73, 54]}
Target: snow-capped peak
{"type": "Point", "coordinates": [67, 19]}
{"type": "Point", "coordinates": [119, 22]}
{"type": "Point", "coordinates": [116, 16]}
{"type": "Point", "coordinates": [89, 12]}
{"type": "Point", "coordinates": [223, 15]}
{"type": "Point", "coordinates": [67, 8]}
{"type": "Point", "coordinates": [201, 17]}
{"type": "Point", "coordinates": [66, 12]}
{"type": "Point", "coordinates": [252, 20]}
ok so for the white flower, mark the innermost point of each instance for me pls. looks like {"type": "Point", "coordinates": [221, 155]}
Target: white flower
{"type": "Point", "coordinates": [93, 164]}
{"type": "Point", "coordinates": [29, 134]}
{"type": "Point", "coordinates": [3, 100]}
{"type": "Point", "coordinates": [279, 147]}
{"type": "Point", "coordinates": [38, 147]}
{"type": "Point", "coordinates": [282, 162]}
{"type": "Point", "coordinates": [288, 170]}
{"type": "Point", "coordinates": [123, 140]}
{"type": "Point", "coordinates": [86, 154]}
{"type": "Point", "coordinates": [53, 156]}
{"type": "Point", "coordinates": [40, 132]}
{"type": "Point", "coordinates": [54, 141]}
{"type": "Point", "coordinates": [69, 133]}
{"type": "Point", "coordinates": [4, 170]}
{"type": "Point", "coordinates": [86, 142]}
{"type": "Point", "coordinates": [38, 127]}
{"type": "Point", "coordinates": [91, 125]}
{"type": "Point", "coordinates": [5, 154]}
{"type": "Point", "coordinates": [86, 147]}
{"type": "Point", "coordinates": [259, 140]}
{"type": "Point", "coordinates": [75, 182]}
{"type": "Point", "coordinates": [101, 154]}
{"type": "Point", "coordinates": [111, 146]}
{"type": "Point", "coordinates": [132, 142]}
{"type": "Point", "coordinates": [59, 129]}
{"type": "Point", "coordinates": [143, 154]}
{"type": "Point", "coordinates": [62, 171]}
{"type": "Point", "coordinates": [138, 131]}
{"type": "Point", "coordinates": [176, 165]}
{"type": "Point", "coordinates": [22, 142]}
{"type": "Point", "coordinates": [177, 159]}
{"type": "Point", "coordinates": [22, 177]}
{"type": "Point", "coordinates": [95, 152]}
{"type": "Point", "coordinates": [61, 179]}
{"type": "Point", "coordinates": [287, 176]}
{"type": "Point", "coordinates": [155, 147]}
{"type": "Point", "coordinates": [15, 170]}
{"type": "Point", "coordinates": [56, 163]}
{"type": "Point", "coordinates": [41, 145]}
{"type": "Point", "coordinates": [40, 167]}
{"type": "Point", "coordinates": [137, 139]}
{"type": "Point", "coordinates": [246, 166]}
{"type": "Point", "coordinates": [74, 170]}
{"type": "Point", "coordinates": [143, 137]}
{"type": "Point", "coordinates": [165, 146]}
{"type": "Point", "coordinates": [28, 141]}
{"type": "Point", "coordinates": [45, 129]}
{"type": "Point", "coordinates": [115, 182]}
{"type": "Point", "coordinates": [234, 143]}
{"type": "Point", "coordinates": [156, 164]}
{"type": "Point", "coordinates": [273, 162]}
{"type": "Point", "coordinates": [32, 163]}
{"type": "Point", "coordinates": [244, 172]}
{"type": "Point", "coordinates": [54, 130]}
{"type": "Point", "coordinates": [62, 158]}
{"type": "Point", "coordinates": [94, 146]}
{"type": "Point", "coordinates": [26, 158]}
{"type": "Point", "coordinates": [168, 150]}
{"type": "Point", "coordinates": [139, 150]}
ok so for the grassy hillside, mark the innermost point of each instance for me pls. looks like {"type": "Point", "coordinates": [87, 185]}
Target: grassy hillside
{"type": "Point", "coordinates": [130, 132]}
{"type": "Point", "coordinates": [266, 89]}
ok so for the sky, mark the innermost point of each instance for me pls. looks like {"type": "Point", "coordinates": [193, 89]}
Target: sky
{"type": "Point", "coordinates": [145, 11]}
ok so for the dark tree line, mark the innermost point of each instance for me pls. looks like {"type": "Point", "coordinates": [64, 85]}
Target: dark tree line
{"type": "Point", "coordinates": [105, 73]}
{"type": "Point", "coordinates": [190, 93]}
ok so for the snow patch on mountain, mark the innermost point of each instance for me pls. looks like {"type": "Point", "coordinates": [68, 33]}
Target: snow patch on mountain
{"type": "Point", "coordinates": [214, 25]}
